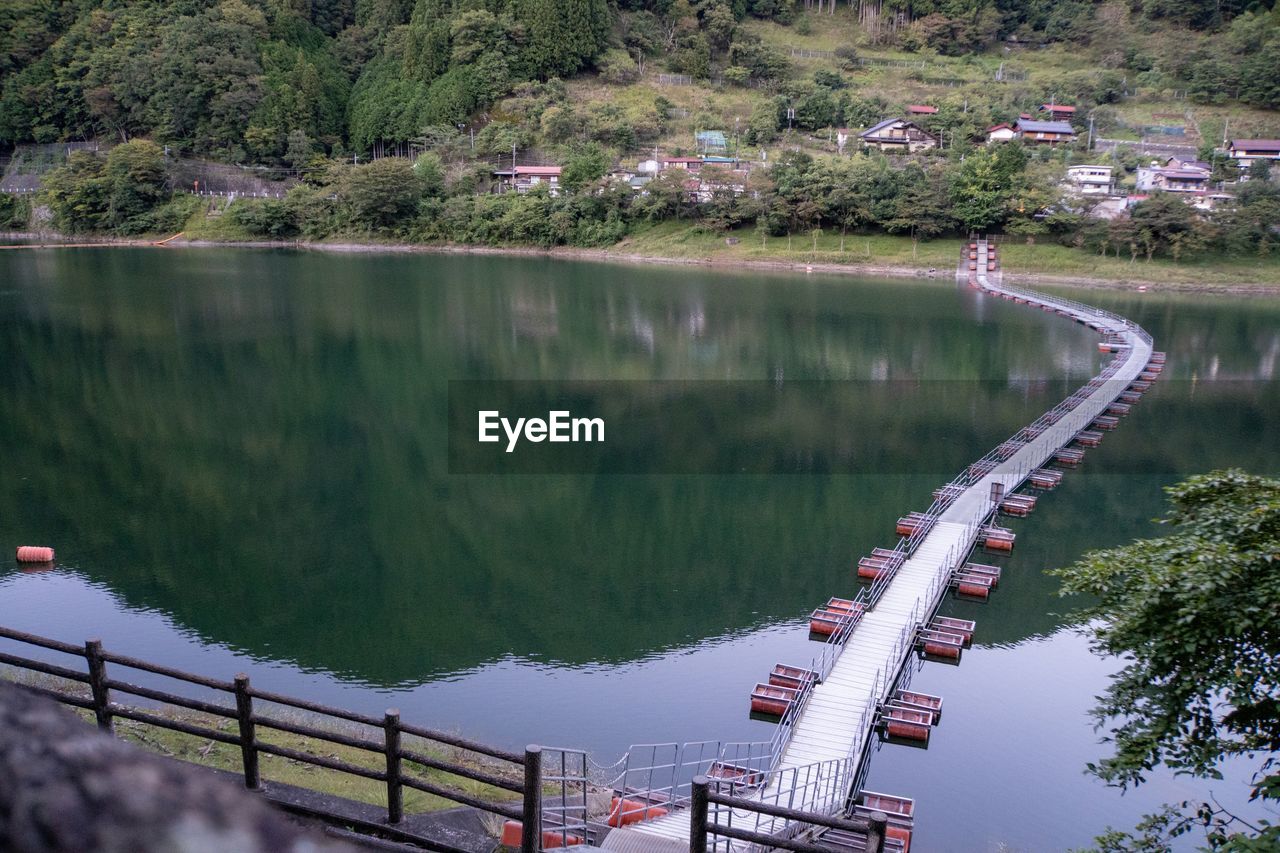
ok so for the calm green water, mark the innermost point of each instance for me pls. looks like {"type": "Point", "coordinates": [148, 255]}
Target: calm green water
{"type": "Point", "coordinates": [242, 460]}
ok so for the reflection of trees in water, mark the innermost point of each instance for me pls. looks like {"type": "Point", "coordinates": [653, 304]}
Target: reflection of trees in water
{"type": "Point", "coordinates": [255, 443]}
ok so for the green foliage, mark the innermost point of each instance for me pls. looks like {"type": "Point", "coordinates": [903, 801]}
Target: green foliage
{"type": "Point", "coordinates": [1166, 224]}
{"type": "Point", "coordinates": [762, 61]}
{"type": "Point", "coordinates": [584, 166]}
{"type": "Point", "coordinates": [564, 36]}
{"type": "Point", "coordinates": [136, 181]}
{"type": "Point", "coordinates": [15, 212]}
{"type": "Point", "coordinates": [118, 193]}
{"type": "Point", "coordinates": [1192, 614]}
{"type": "Point", "coordinates": [382, 195]}
{"type": "Point", "coordinates": [980, 190]}
{"type": "Point", "coordinates": [266, 217]}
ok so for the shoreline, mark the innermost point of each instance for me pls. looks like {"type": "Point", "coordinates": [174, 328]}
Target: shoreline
{"type": "Point", "coordinates": [623, 256]}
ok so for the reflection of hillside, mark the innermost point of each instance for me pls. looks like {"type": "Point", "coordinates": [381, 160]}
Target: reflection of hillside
{"type": "Point", "coordinates": [254, 443]}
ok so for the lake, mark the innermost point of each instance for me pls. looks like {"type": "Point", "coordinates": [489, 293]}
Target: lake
{"type": "Point", "coordinates": [242, 459]}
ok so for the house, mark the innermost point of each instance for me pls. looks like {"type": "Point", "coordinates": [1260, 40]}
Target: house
{"type": "Point", "coordinates": [722, 180]}
{"type": "Point", "coordinates": [921, 110]}
{"type": "Point", "coordinates": [1110, 208]}
{"type": "Point", "coordinates": [1184, 163]}
{"type": "Point", "coordinates": [693, 191]}
{"type": "Point", "coordinates": [1000, 133]}
{"type": "Point", "coordinates": [1044, 132]}
{"type": "Point", "coordinates": [1212, 200]}
{"type": "Point", "coordinates": [1090, 180]}
{"type": "Point", "coordinates": [690, 164]}
{"type": "Point", "coordinates": [1180, 180]}
{"type": "Point", "coordinates": [1245, 151]}
{"type": "Point", "coordinates": [900, 135]}
{"type": "Point", "coordinates": [1189, 179]}
{"type": "Point", "coordinates": [1058, 112]}
{"type": "Point", "coordinates": [524, 178]}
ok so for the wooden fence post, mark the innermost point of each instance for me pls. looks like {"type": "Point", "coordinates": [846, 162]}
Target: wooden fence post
{"type": "Point", "coordinates": [395, 795]}
{"type": "Point", "coordinates": [98, 684]}
{"type": "Point", "coordinates": [698, 815]}
{"type": "Point", "coordinates": [531, 825]}
{"type": "Point", "coordinates": [879, 822]}
{"type": "Point", "coordinates": [248, 736]}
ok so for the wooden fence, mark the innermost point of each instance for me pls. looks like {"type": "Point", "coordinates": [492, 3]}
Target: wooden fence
{"type": "Point", "coordinates": [239, 703]}
{"type": "Point", "coordinates": [704, 795]}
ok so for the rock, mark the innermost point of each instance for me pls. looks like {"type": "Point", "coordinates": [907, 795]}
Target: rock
{"type": "Point", "coordinates": [66, 787]}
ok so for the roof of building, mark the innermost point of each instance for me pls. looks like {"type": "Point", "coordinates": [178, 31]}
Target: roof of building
{"type": "Point", "coordinates": [921, 109]}
{"type": "Point", "coordinates": [1183, 174]}
{"type": "Point", "coordinates": [542, 171]}
{"type": "Point", "coordinates": [1001, 126]}
{"type": "Point", "coordinates": [875, 129]}
{"type": "Point", "coordinates": [1057, 108]}
{"type": "Point", "coordinates": [1257, 144]}
{"type": "Point", "coordinates": [1045, 126]}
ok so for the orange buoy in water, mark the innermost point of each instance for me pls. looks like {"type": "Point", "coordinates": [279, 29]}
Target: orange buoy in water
{"type": "Point", "coordinates": [34, 554]}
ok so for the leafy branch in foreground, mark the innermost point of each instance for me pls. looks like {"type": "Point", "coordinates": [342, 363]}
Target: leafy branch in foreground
{"type": "Point", "coordinates": [1196, 617]}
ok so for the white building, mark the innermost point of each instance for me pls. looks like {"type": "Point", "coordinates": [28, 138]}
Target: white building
{"type": "Point", "coordinates": [1090, 180]}
{"type": "Point", "coordinates": [1000, 133]}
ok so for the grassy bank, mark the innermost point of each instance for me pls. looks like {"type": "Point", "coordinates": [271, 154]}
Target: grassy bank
{"type": "Point", "coordinates": [1042, 260]}
{"type": "Point", "coordinates": [274, 768]}
{"type": "Point", "coordinates": [879, 253]}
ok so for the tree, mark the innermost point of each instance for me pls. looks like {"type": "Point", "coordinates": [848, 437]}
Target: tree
{"type": "Point", "coordinates": [980, 190]}
{"type": "Point", "coordinates": [1166, 222]}
{"type": "Point", "coordinates": [136, 183]}
{"type": "Point", "coordinates": [1193, 614]}
{"type": "Point", "coordinates": [381, 194]}
{"type": "Point", "coordinates": [564, 35]}
{"type": "Point", "coordinates": [586, 165]}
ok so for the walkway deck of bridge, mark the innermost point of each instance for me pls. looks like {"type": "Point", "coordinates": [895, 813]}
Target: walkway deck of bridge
{"type": "Point", "coordinates": [839, 716]}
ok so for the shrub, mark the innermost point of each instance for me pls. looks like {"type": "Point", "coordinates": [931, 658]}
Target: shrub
{"type": "Point", "coordinates": [269, 217]}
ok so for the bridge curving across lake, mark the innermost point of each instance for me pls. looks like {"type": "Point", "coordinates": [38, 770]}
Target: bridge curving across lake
{"type": "Point", "coordinates": [819, 758]}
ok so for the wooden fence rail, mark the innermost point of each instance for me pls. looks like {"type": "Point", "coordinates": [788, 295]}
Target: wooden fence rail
{"type": "Point", "coordinates": [242, 706]}
{"type": "Point", "coordinates": [704, 795]}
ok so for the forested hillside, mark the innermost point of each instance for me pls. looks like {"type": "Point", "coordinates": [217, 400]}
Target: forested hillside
{"type": "Point", "coordinates": [277, 81]}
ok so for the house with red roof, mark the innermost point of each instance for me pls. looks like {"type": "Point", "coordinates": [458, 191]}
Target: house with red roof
{"type": "Point", "coordinates": [524, 178]}
{"type": "Point", "coordinates": [1058, 112]}
{"type": "Point", "coordinates": [1000, 133]}
{"type": "Point", "coordinates": [689, 164]}
{"type": "Point", "coordinates": [921, 110]}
